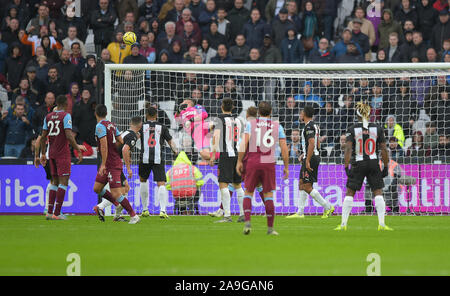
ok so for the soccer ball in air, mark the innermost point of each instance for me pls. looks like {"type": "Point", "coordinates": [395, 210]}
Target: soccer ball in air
{"type": "Point", "coordinates": [129, 38]}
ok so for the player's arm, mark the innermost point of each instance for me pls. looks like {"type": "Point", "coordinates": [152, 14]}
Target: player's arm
{"type": "Point", "coordinates": [37, 151]}
{"type": "Point", "coordinates": [310, 152]}
{"type": "Point", "coordinates": [43, 158]}
{"type": "Point", "coordinates": [104, 154]}
{"type": "Point", "coordinates": [348, 155]}
{"type": "Point", "coordinates": [73, 143]}
{"type": "Point", "coordinates": [169, 140]}
{"type": "Point", "coordinates": [126, 152]}
{"type": "Point", "coordinates": [242, 150]}
{"type": "Point", "coordinates": [285, 157]}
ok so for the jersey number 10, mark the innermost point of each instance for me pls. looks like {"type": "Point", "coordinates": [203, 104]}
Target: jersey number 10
{"type": "Point", "coordinates": [369, 146]}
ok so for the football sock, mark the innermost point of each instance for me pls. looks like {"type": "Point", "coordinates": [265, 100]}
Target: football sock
{"type": "Point", "coordinates": [47, 192]}
{"type": "Point", "coordinates": [302, 203]}
{"type": "Point", "coordinates": [318, 197]}
{"type": "Point", "coordinates": [59, 199]}
{"type": "Point", "coordinates": [231, 189]}
{"type": "Point", "coordinates": [346, 209]}
{"type": "Point", "coordinates": [380, 205]}
{"type": "Point", "coordinates": [126, 205]}
{"type": "Point", "coordinates": [270, 211]}
{"type": "Point", "coordinates": [225, 194]}
{"type": "Point", "coordinates": [247, 207]}
{"type": "Point", "coordinates": [162, 196]}
{"type": "Point", "coordinates": [260, 190]}
{"type": "Point", "coordinates": [240, 197]}
{"type": "Point", "coordinates": [104, 204]}
{"type": "Point", "coordinates": [52, 198]}
{"type": "Point", "coordinates": [143, 188]}
{"type": "Point", "coordinates": [108, 196]}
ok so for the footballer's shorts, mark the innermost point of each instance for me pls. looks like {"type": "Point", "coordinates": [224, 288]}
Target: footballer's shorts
{"type": "Point", "coordinates": [112, 176]}
{"type": "Point", "coordinates": [48, 173]}
{"type": "Point", "coordinates": [310, 176]}
{"type": "Point", "coordinates": [260, 173]}
{"type": "Point", "coordinates": [227, 170]}
{"type": "Point", "coordinates": [159, 171]}
{"type": "Point", "coordinates": [59, 167]}
{"type": "Point", "coordinates": [369, 169]}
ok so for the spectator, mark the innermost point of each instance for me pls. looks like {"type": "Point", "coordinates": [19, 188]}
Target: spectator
{"type": "Point", "coordinates": [174, 15]}
{"type": "Point", "coordinates": [214, 37]}
{"type": "Point", "coordinates": [238, 17]}
{"type": "Point", "coordinates": [294, 145]}
{"type": "Point", "coordinates": [346, 114]}
{"type": "Point", "coordinates": [393, 129]}
{"type": "Point", "coordinates": [310, 26]}
{"type": "Point", "coordinates": [42, 19]}
{"type": "Point", "coordinates": [272, 9]}
{"type": "Point", "coordinates": [68, 72]}
{"type": "Point", "coordinates": [443, 150]}
{"type": "Point", "coordinates": [341, 47]}
{"type": "Point", "coordinates": [328, 92]}
{"type": "Point", "coordinates": [353, 55]}
{"type": "Point", "coordinates": [28, 151]}
{"type": "Point", "coordinates": [393, 52]}
{"type": "Point", "coordinates": [73, 97]}
{"type": "Point", "coordinates": [441, 31]}
{"type": "Point", "coordinates": [14, 65]}
{"type": "Point", "coordinates": [367, 28]}
{"type": "Point", "coordinates": [214, 103]}
{"type": "Point", "coordinates": [146, 48]}
{"type": "Point", "coordinates": [255, 30]}
{"type": "Point", "coordinates": [118, 50]}
{"type": "Point", "coordinates": [71, 39]}
{"type": "Point", "coordinates": [395, 150]}
{"type": "Point", "coordinates": [231, 92]}
{"type": "Point", "coordinates": [432, 56]}
{"type": "Point", "coordinates": [37, 86]}
{"type": "Point", "coordinates": [440, 5]}
{"type": "Point", "coordinates": [135, 57]}
{"type": "Point", "coordinates": [381, 56]}
{"type": "Point", "coordinates": [222, 56]}
{"type": "Point", "coordinates": [70, 20]}
{"type": "Point", "coordinates": [42, 111]}
{"type": "Point", "coordinates": [189, 56]}
{"type": "Point", "coordinates": [17, 127]}
{"type": "Point", "coordinates": [148, 10]}
{"type": "Point", "coordinates": [407, 11]}
{"type": "Point", "coordinates": [125, 7]}
{"type": "Point", "coordinates": [75, 56]}
{"type": "Point", "coordinates": [322, 54]}
{"type": "Point", "coordinates": [223, 24]}
{"type": "Point", "coordinates": [102, 23]}
{"type": "Point", "coordinates": [175, 53]}
{"type": "Point", "coordinates": [163, 12]}
{"type": "Point", "coordinates": [51, 51]}
{"type": "Point", "coordinates": [254, 56]}
{"type": "Point", "coordinates": [419, 46]}
{"type": "Point", "coordinates": [407, 47]}
{"type": "Point", "coordinates": [143, 29]}
{"type": "Point", "coordinates": [280, 25]}
{"type": "Point", "coordinates": [84, 118]}
{"type": "Point", "coordinates": [359, 37]}
{"type": "Point", "coordinates": [165, 42]}
{"type": "Point", "coordinates": [128, 22]}
{"type": "Point", "coordinates": [11, 33]}
{"type": "Point", "coordinates": [186, 16]}
{"type": "Point", "coordinates": [308, 96]}
{"type": "Point", "coordinates": [54, 83]}
{"type": "Point", "coordinates": [31, 96]}
{"type": "Point", "coordinates": [327, 119]}
{"type": "Point", "coordinates": [417, 149]}
{"type": "Point", "coordinates": [207, 16]}
{"type": "Point", "coordinates": [289, 115]}
{"type": "Point", "coordinates": [163, 57]}
{"type": "Point", "coordinates": [196, 6]}
{"type": "Point", "coordinates": [431, 138]}
{"type": "Point", "coordinates": [3, 54]}
{"type": "Point", "coordinates": [291, 48]}
{"type": "Point", "coordinates": [376, 103]}
{"type": "Point", "coordinates": [239, 52]}
{"type": "Point", "coordinates": [42, 69]}
{"type": "Point", "coordinates": [88, 72]}
{"type": "Point", "coordinates": [293, 16]}
{"type": "Point", "coordinates": [427, 18]}
{"type": "Point", "coordinates": [387, 26]}
{"type": "Point", "coordinates": [206, 51]}
{"type": "Point", "coordinates": [270, 54]}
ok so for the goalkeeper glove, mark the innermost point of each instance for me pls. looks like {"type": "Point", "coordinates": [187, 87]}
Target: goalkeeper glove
{"type": "Point", "coordinates": [384, 172]}
{"type": "Point", "coordinates": [347, 171]}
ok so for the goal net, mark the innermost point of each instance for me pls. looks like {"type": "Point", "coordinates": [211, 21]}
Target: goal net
{"type": "Point", "coordinates": [409, 100]}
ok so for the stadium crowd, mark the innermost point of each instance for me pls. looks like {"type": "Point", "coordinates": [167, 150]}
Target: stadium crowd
{"type": "Point", "coordinates": [46, 51]}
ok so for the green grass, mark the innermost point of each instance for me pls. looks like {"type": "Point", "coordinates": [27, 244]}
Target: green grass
{"type": "Point", "coordinates": [30, 245]}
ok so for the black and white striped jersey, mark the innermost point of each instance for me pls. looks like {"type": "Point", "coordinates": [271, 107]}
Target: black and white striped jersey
{"type": "Point", "coordinates": [311, 130]}
{"type": "Point", "coordinates": [129, 138]}
{"type": "Point", "coordinates": [365, 142]}
{"type": "Point", "coordinates": [231, 128]}
{"type": "Point", "coordinates": [153, 135]}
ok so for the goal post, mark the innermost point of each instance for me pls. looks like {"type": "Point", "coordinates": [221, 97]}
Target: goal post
{"type": "Point", "coordinates": [409, 100]}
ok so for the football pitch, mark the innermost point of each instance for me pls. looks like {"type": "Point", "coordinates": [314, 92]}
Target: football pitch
{"type": "Point", "coordinates": [184, 245]}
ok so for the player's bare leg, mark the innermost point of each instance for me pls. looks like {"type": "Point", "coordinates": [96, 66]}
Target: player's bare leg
{"type": "Point", "coordinates": [119, 209]}
{"type": "Point", "coordinates": [226, 198]}
{"type": "Point", "coordinates": [121, 199]}
{"type": "Point", "coordinates": [60, 194]}
{"type": "Point", "coordinates": [101, 191]}
{"type": "Point", "coordinates": [163, 197]}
